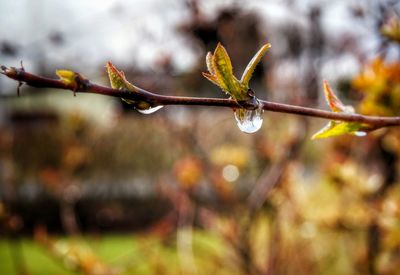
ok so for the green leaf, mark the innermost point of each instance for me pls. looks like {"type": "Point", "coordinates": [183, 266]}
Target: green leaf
{"type": "Point", "coordinates": [337, 128]}
{"type": "Point", "coordinates": [248, 72]}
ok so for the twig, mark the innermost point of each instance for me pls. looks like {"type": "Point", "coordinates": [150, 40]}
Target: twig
{"type": "Point", "coordinates": [82, 85]}
{"type": "Point", "coordinates": [271, 177]}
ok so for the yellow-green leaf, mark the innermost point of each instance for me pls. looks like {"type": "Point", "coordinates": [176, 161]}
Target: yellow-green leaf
{"type": "Point", "coordinates": [118, 80]}
{"type": "Point", "coordinates": [334, 102]}
{"type": "Point", "coordinates": [337, 128]}
{"type": "Point", "coordinates": [212, 75]}
{"type": "Point", "coordinates": [67, 77]}
{"type": "Point", "coordinates": [212, 78]}
{"type": "Point", "coordinates": [224, 73]}
{"type": "Point", "coordinates": [221, 73]}
{"type": "Point", "coordinates": [248, 72]}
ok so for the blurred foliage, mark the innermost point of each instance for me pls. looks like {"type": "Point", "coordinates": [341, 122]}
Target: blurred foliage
{"type": "Point", "coordinates": [379, 82]}
{"type": "Point", "coordinates": [391, 28]}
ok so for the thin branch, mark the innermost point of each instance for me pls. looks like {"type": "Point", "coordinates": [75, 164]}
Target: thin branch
{"type": "Point", "coordinates": [83, 85]}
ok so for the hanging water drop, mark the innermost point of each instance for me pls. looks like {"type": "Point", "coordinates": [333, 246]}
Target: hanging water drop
{"type": "Point", "coordinates": [360, 134]}
{"type": "Point", "coordinates": [249, 121]}
{"type": "Point", "coordinates": [150, 110]}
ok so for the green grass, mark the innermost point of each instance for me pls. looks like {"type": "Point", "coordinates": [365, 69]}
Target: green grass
{"type": "Point", "coordinates": [34, 258]}
{"type": "Point", "coordinates": [126, 254]}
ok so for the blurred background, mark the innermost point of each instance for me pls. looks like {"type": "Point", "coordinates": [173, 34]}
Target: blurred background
{"type": "Point", "coordinates": [90, 186]}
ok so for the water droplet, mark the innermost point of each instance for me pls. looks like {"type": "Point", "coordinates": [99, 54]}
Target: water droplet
{"type": "Point", "coordinates": [150, 110]}
{"type": "Point", "coordinates": [249, 121]}
{"type": "Point", "coordinates": [360, 134]}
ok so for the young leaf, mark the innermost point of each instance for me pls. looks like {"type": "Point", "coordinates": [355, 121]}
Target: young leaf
{"type": "Point", "coordinates": [117, 79]}
{"type": "Point", "coordinates": [248, 72]}
{"type": "Point", "coordinates": [334, 102]}
{"type": "Point", "coordinates": [211, 78]}
{"type": "Point", "coordinates": [337, 128]}
{"type": "Point", "coordinates": [67, 77]}
{"type": "Point", "coordinates": [74, 80]}
{"type": "Point", "coordinates": [224, 72]}
{"type": "Point", "coordinates": [221, 73]}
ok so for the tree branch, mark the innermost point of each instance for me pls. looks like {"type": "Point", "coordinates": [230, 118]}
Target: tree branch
{"type": "Point", "coordinates": [83, 85]}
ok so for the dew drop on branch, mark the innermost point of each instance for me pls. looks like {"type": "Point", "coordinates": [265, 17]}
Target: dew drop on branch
{"type": "Point", "coordinates": [150, 110]}
{"type": "Point", "coordinates": [249, 121]}
{"type": "Point", "coordinates": [360, 134]}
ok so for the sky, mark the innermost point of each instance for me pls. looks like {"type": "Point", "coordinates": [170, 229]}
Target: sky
{"type": "Point", "coordinates": [94, 31]}
{"type": "Point", "coordinates": [137, 32]}
{"type": "Point", "coordinates": [130, 31]}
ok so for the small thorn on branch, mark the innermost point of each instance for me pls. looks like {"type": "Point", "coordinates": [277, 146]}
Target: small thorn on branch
{"type": "Point", "coordinates": [19, 87]}
{"type": "Point", "coordinates": [19, 82]}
